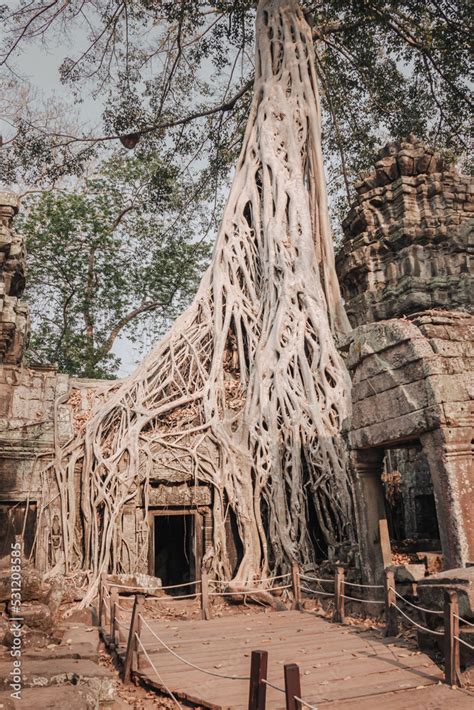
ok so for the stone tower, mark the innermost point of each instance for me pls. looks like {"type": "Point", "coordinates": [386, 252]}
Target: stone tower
{"type": "Point", "coordinates": [408, 238]}
{"type": "Point", "coordinates": [405, 277]}
{"type": "Point", "coordinates": [13, 311]}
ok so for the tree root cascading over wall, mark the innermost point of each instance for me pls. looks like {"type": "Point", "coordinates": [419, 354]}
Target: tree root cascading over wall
{"type": "Point", "coordinates": [247, 388]}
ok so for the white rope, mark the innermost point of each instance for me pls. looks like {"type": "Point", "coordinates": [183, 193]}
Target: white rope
{"type": "Point", "coordinates": [315, 579]}
{"type": "Point", "coordinates": [303, 702]}
{"type": "Point", "coordinates": [464, 621]}
{"type": "Point", "coordinates": [465, 643]}
{"type": "Point", "coordinates": [157, 674]}
{"type": "Point", "coordinates": [107, 606]}
{"type": "Point", "coordinates": [184, 584]}
{"type": "Point", "coordinates": [245, 592]}
{"type": "Point", "coordinates": [365, 586]}
{"type": "Point", "coordinates": [272, 579]}
{"type": "Point", "coordinates": [263, 579]}
{"type": "Point", "coordinates": [415, 606]}
{"type": "Point", "coordinates": [423, 628]}
{"type": "Point", "coordinates": [188, 663]}
{"type": "Point", "coordinates": [316, 591]}
{"type": "Point", "coordinates": [275, 687]}
{"type": "Point", "coordinates": [122, 608]}
{"type": "Point", "coordinates": [177, 599]}
{"type": "Point", "coordinates": [366, 601]}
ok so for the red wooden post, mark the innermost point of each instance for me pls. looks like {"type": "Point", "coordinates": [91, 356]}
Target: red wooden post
{"type": "Point", "coordinates": [258, 673]}
{"type": "Point", "coordinates": [131, 655]}
{"type": "Point", "coordinates": [113, 611]}
{"type": "Point", "coordinates": [205, 594]}
{"type": "Point", "coordinates": [296, 584]}
{"type": "Point", "coordinates": [451, 644]}
{"type": "Point", "coordinates": [391, 618]}
{"type": "Point", "coordinates": [292, 686]}
{"type": "Point", "coordinates": [339, 595]}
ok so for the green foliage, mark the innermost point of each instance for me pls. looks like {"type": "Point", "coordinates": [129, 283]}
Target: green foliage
{"type": "Point", "coordinates": [179, 75]}
{"type": "Point", "coordinates": [114, 257]}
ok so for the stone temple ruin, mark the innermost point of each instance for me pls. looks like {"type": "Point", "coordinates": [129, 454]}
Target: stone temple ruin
{"type": "Point", "coordinates": [405, 277]}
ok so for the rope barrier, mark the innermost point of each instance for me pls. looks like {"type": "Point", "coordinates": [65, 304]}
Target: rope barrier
{"type": "Point", "coordinates": [188, 663]}
{"type": "Point", "coordinates": [122, 608]}
{"type": "Point", "coordinates": [275, 687]}
{"type": "Point", "coordinates": [423, 628]}
{"type": "Point", "coordinates": [157, 674]}
{"type": "Point", "coordinates": [184, 584]}
{"type": "Point", "coordinates": [367, 601]}
{"type": "Point", "coordinates": [315, 579]}
{"type": "Point", "coordinates": [465, 643]}
{"type": "Point", "coordinates": [245, 592]}
{"type": "Point", "coordinates": [365, 586]}
{"type": "Point", "coordinates": [303, 702]}
{"type": "Point", "coordinates": [464, 621]}
{"type": "Point", "coordinates": [177, 599]}
{"type": "Point", "coordinates": [316, 591]}
{"type": "Point", "coordinates": [415, 606]}
{"type": "Point", "coordinates": [264, 579]}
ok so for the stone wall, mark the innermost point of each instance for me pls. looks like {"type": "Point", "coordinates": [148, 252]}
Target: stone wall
{"type": "Point", "coordinates": [13, 311]}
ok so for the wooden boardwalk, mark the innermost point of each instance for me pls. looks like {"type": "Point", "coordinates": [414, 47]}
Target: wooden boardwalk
{"type": "Point", "coordinates": [341, 666]}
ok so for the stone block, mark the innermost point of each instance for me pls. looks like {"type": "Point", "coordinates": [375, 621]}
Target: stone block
{"type": "Point", "coordinates": [53, 698]}
{"type": "Point", "coordinates": [431, 590]}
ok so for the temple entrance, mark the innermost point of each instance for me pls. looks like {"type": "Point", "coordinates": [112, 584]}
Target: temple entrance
{"type": "Point", "coordinates": [14, 526]}
{"type": "Point", "coordinates": [176, 547]}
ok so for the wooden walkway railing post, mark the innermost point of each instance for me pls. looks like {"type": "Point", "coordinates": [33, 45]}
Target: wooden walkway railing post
{"type": "Point", "coordinates": [391, 618]}
{"type": "Point", "coordinates": [258, 673]}
{"type": "Point", "coordinates": [131, 656]}
{"type": "Point", "coordinates": [339, 595]}
{"type": "Point", "coordinates": [101, 602]}
{"type": "Point", "coordinates": [296, 584]}
{"type": "Point", "coordinates": [452, 667]}
{"type": "Point", "coordinates": [292, 686]}
{"type": "Point", "coordinates": [205, 595]}
{"type": "Point", "coordinates": [114, 596]}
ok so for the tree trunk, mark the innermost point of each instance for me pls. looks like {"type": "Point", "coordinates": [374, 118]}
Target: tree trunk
{"type": "Point", "coordinates": [247, 389]}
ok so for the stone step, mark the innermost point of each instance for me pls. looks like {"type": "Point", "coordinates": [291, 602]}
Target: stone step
{"type": "Point", "coordinates": [73, 650]}
{"type": "Point", "coordinates": [82, 673]}
{"type": "Point", "coordinates": [80, 634]}
{"type": "Point", "coordinates": [53, 698]}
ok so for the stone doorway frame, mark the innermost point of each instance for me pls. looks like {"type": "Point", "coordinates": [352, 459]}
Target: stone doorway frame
{"type": "Point", "coordinates": [199, 532]}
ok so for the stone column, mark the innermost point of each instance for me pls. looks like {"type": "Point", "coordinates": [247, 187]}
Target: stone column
{"type": "Point", "coordinates": [370, 508]}
{"type": "Point", "coordinates": [449, 454]}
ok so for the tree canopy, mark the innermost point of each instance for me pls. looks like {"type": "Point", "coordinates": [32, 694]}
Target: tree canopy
{"type": "Point", "coordinates": [175, 80]}
{"type": "Point", "coordinates": [117, 256]}
{"type": "Point", "coordinates": [180, 73]}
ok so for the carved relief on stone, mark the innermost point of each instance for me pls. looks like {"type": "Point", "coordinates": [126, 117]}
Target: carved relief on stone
{"type": "Point", "coordinates": [408, 237]}
{"type": "Point", "coordinates": [166, 495]}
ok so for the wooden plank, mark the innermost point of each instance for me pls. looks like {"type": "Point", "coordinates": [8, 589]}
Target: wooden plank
{"type": "Point", "coordinates": [386, 548]}
{"type": "Point", "coordinates": [434, 697]}
{"type": "Point", "coordinates": [338, 663]}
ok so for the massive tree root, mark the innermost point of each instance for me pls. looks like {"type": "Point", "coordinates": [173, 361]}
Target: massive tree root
{"type": "Point", "coordinates": [247, 388]}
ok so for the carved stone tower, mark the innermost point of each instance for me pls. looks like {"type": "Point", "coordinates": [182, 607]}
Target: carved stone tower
{"type": "Point", "coordinates": [13, 311]}
{"type": "Point", "coordinates": [405, 278]}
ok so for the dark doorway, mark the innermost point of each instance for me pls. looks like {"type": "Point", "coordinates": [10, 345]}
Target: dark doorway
{"type": "Point", "coordinates": [426, 518]}
{"type": "Point", "coordinates": [13, 524]}
{"type": "Point", "coordinates": [174, 549]}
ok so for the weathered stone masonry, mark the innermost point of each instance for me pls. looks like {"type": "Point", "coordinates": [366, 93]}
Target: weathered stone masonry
{"type": "Point", "coordinates": [405, 276]}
